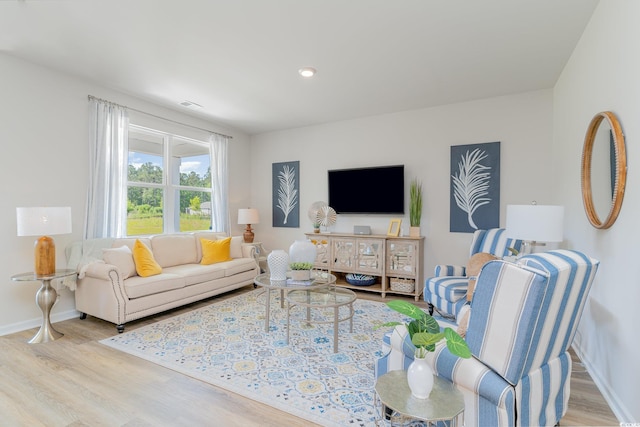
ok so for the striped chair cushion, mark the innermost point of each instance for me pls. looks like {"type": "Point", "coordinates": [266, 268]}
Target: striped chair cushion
{"type": "Point", "coordinates": [451, 288]}
{"type": "Point", "coordinates": [449, 270]}
{"type": "Point", "coordinates": [493, 241]}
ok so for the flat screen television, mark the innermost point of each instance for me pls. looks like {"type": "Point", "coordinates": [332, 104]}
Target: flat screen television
{"type": "Point", "coordinates": [371, 190]}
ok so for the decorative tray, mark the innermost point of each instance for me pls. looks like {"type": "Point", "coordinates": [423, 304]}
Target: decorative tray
{"type": "Point", "coordinates": [360, 279]}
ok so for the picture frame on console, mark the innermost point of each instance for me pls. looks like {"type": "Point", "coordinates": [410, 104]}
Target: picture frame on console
{"type": "Point", "coordinates": [394, 227]}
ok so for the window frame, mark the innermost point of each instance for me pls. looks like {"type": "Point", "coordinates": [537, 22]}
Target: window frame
{"type": "Point", "coordinates": [170, 188]}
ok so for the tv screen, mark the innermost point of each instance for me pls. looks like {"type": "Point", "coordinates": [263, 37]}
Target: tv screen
{"type": "Point", "coordinates": [373, 190]}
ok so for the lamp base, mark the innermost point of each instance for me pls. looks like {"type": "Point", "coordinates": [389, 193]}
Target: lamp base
{"type": "Point", "coordinates": [45, 256]}
{"type": "Point", "coordinates": [248, 234]}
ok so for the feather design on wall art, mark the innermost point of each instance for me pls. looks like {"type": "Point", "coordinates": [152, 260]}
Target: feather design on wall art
{"type": "Point", "coordinates": [287, 193]}
{"type": "Point", "coordinates": [471, 183]}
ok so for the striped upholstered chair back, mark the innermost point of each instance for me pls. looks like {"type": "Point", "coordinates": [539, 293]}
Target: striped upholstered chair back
{"type": "Point", "coordinates": [523, 320]}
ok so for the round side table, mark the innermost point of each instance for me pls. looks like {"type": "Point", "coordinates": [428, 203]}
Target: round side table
{"type": "Point", "coordinates": [445, 403]}
{"type": "Point", "coordinates": [45, 298]}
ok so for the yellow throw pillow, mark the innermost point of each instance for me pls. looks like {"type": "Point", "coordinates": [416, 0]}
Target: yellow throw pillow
{"type": "Point", "coordinates": [146, 265]}
{"type": "Point", "coordinates": [214, 251]}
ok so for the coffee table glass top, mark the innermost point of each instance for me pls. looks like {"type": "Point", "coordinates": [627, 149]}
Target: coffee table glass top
{"type": "Point", "coordinates": [334, 296]}
{"type": "Point", "coordinates": [318, 279]}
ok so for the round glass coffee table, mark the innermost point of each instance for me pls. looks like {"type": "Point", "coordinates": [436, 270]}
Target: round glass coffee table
{"type": "Point", "coordinates": [396, 404]}
{"type": "Point", "coordinates": [318, 280]}
{"type": "Point", "coordinates": [332, 297]}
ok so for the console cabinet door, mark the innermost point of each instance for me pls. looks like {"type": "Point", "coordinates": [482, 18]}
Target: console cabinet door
{"type": "Point", "coordinates": [323, 252]}
{"type": "Point", "coordinates": [370, 256]}
{"type": "Point", "coordinates": [343, 254]}
{"type": "Point", "coordinates": [402, 258]}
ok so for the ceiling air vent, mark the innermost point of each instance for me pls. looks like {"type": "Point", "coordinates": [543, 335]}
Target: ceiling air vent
{"type": "Point", "coordinates": [192, 105]}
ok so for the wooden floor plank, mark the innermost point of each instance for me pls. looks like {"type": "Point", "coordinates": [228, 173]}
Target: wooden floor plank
{"type": "Point", "coordinates": [76, 381]}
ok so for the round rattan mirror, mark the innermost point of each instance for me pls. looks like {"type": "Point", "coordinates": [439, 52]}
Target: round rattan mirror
{"type": "Point", "coordinates": [604, 169]}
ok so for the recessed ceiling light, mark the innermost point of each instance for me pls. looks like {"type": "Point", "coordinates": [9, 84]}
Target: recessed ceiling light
{"type": "Point", "coordinates": [307, 71]}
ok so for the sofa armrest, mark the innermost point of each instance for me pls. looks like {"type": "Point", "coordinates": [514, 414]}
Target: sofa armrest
{"type": "Point", "coordinates": [443, 270]}
{"type": "Point", "coordinates": [249, 251]}
{"type": "Point", "coordinates": [101, 292]}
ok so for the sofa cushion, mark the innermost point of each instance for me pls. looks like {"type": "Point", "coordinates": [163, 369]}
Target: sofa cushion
{"type": "Point", "coordinates": [236, 246]}
{"type": "Point", "coordinates": [174, 249]}
{"type": "Point", "coordinates": [142, 286]}
{"type": "Point", "coordinates": [238, 265]}
{"type": "Point", "coordinates": [146, 265]}
{"type": "Point", "coordinates": [214, 251]}
{"type": "Point", "coordinates": [198, 273]}
{"type": "Point", "coordinates": [122, 258]}
{"type": "Point", "coordinates": [130, 242]}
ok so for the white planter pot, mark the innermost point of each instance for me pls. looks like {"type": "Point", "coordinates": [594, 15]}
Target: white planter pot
{"type": "Point", "coordinates": [420, 378]}
{"type": "Point", "coordinates": [300, 274]}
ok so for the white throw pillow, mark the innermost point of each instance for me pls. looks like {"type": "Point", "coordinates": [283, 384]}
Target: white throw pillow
{"type": "Point", "coordinates": [236, 246]}
{"type": "Point", "coordinates": [122, 258]}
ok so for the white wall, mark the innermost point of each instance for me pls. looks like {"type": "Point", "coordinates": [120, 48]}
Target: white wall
{"type": "Point", "coordinates": [420, 140]}
{"type": "Point", "coordinates": [44, 134]}
{"type": "Point", "coordinates": [603, 74]}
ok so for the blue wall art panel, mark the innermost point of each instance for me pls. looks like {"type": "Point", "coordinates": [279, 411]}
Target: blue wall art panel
{"type": "Point", "coordinates": [285, 184]}
{"type": "Point", "coordinates": [475, 187]}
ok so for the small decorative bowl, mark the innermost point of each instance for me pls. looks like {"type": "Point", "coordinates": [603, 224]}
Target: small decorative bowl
{"type": "Point", "coordinates": [360, 279]}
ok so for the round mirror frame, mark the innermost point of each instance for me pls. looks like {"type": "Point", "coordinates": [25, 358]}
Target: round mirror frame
{"type": "Point", "coordinates": [620, 170]}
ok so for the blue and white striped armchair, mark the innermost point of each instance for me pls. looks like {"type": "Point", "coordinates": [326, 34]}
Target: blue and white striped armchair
{"type": "Point", "coordinates": [523, 319]}
{"type": "Point", "coordinates": [446, 291]}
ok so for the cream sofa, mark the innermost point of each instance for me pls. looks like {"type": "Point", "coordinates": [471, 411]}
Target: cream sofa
{"type": "Point", "coordinates": [110, 289]}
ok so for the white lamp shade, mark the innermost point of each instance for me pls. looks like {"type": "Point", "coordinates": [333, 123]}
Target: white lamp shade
{"type": "Point", "coordinates": [248, 216]}
{"type": "Point", "coordinates": [539, 223]}
{"type": "Point", "coordinates": [43, 221]}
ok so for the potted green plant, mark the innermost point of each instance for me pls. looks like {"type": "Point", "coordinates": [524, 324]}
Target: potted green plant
{"type": "Point", "coordinates": [425, 333]}
{"type": "Point", "coordinates": [415, 207]}
{"type": "Point", "coordinates": [301, 270]}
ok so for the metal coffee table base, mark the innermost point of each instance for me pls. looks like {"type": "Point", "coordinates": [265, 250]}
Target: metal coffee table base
{"type": "Point", "coordinates": [329, 298]}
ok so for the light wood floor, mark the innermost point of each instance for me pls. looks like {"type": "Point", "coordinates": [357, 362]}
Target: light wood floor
{"type": "Point", "coordinates": [75, 381]}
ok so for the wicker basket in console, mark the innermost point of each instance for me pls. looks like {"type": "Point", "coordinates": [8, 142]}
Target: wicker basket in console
{"type": "Point", "coordinates": [402, 285]}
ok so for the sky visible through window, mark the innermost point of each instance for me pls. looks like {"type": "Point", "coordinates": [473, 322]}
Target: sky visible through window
{"type": "Point", "coordinates": [198, 164]}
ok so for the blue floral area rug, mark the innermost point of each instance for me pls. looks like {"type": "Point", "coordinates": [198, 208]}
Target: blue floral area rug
{"type": "Point", "coordinates": [224, 344]}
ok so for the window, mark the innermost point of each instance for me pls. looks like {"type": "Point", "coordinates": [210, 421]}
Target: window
{"type": "Point", "coordinates": [168, 183]}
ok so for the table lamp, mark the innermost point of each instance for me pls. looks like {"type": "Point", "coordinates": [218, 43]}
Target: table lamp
{"type": "Point", "coordinates": [44, 222]}
{"type": "Point", "coordinates": [248, 216]}
{"type": "Point", "coordinates": [535, 224]}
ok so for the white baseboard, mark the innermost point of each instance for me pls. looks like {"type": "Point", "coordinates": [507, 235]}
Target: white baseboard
{"type": "Point", "coordinates": [619, 410]}
{"type": "Point", "coordinates": [37, 322]}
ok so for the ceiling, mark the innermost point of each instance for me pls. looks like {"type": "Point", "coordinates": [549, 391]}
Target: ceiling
{"type": "Point", "coordinates": [239, 58]}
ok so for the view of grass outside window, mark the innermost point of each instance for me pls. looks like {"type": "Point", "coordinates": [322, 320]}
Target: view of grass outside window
{"type": "Point", "coordinates": [168, 190]}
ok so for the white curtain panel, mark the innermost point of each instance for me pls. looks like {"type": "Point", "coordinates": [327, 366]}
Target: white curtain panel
{"type": "Point", "coordinates": [106, 213]}
{"type": "Point", "coordinates": [219, 183]}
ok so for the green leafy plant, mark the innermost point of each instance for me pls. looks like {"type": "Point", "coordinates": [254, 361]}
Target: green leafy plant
{"type": "Point", "coordinates": [301, 265]}
{"type": "Point", "coordinates": [415, 203]}
{"type": "Point", "coordinates": [425, 332]}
